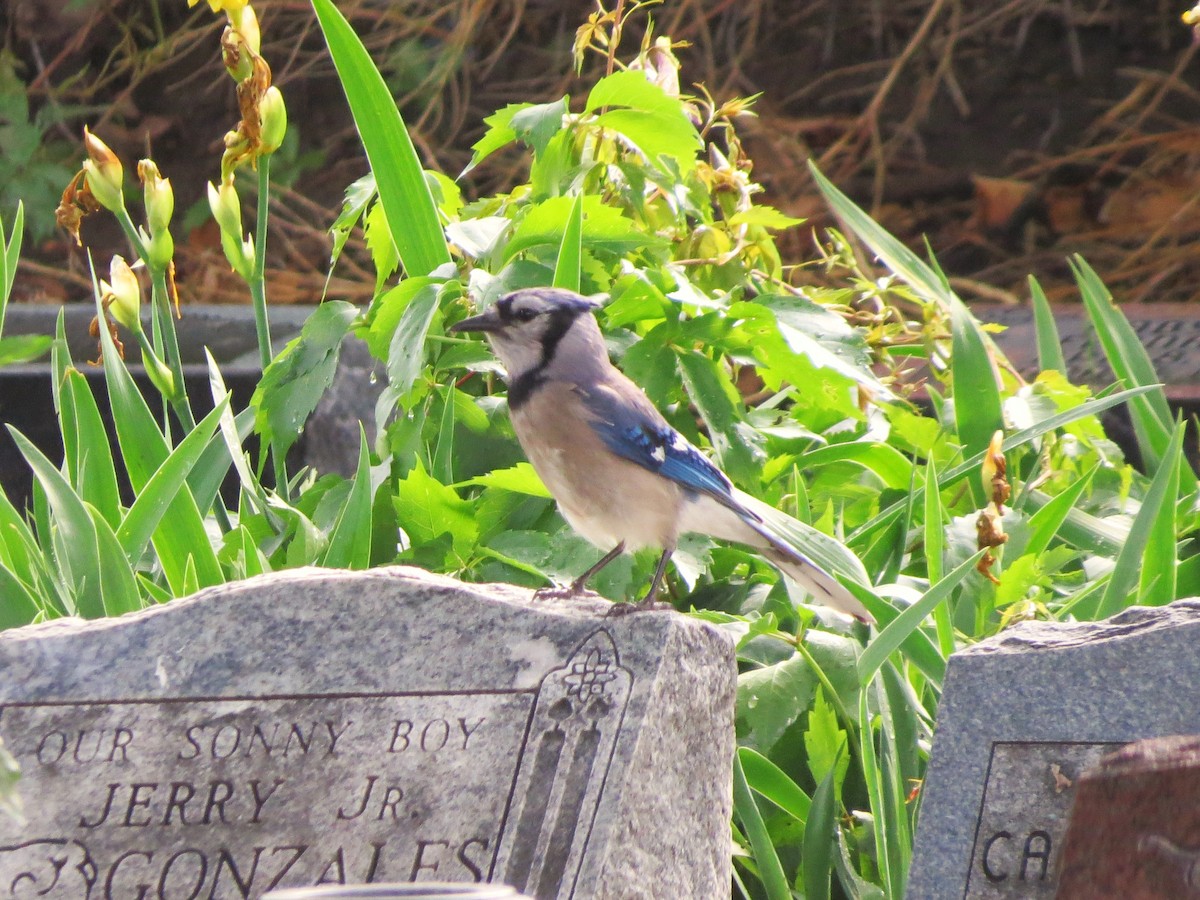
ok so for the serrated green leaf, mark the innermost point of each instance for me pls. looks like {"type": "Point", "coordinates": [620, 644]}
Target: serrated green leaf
{"type": "Point", "coordinates": [771, 699]}
{"type": "Point", "coordinates": [825, 742]}
{"type": "Point", "coordinates": [294, 382]}
{"type": "Point", "coordinates": [406, 349]}
{"type": "Point", "coordinates": [766, 216]}
{"type": "Point", "coordinates": [604, 227]}
{"type": "Point", "coordinates": [499, 133]}
{"type": "Point", "coordinates": [520, 479]}
{"type": "Point", "coordinates": [711, 391]}
{"type": "Point", "coordinates": [536, 124]}
{"type": "Point", "coordinates": [427, 509]}
{"type": "Point", "coordinates": [656, 134]}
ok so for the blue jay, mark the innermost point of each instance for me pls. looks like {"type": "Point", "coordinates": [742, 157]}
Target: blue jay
{"type": "Point", "coordinates": [622, 476]}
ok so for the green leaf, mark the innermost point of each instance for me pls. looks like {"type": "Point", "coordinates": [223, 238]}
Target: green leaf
{"type": "Point", "coordinates": [89, 457]}
{"type": "Point", "coordinates": [923, 279]}
{"type": "Point", "coordinates": [499, 133]}
{"type": "Point", "coordinates": [117, 582]}
{"type": "Point", "coordinates": [884, 461]}
{"type": "Point", "coordinates": [520, 479]}
{"type": "Point", "coordinates": [158, 494]}
{"type": "Point", "coordinates": [977, 408]}
{"type": "Point", "coordinates": [74, 528]}
{"type": "Point", "coordinates": [767, 779]}
{"type": "Point", "coordinates": [1091, 407]}
{"type": "Point", "coordinates": [350, 540]}
{"type": "Point", "coordinates": [897, 631]}
{"type": "Point", "coordinates": [566, 270]}
{"type": "Point", "coordinates": [536, 124]}
{"type": "Point", "coordinates": [710, 389]}
{"type": "Point", "coordinates": [294, 382]}
{"type": "Point", "coordinates": [17, 606]}
{"type": "Point", "coordinates": [766, 216]}
{"type": "Point", "coordinates": [1135, 556]}
{"type": "Point", "coordinates": [604, 227]}
{"type": "Point", "coordinates": [770, 869]}
{"type": "Point", "coordinates": [819, 839]}
{"type": "Point", "coordinates": [181, 535]}
{"type": "Point", "coordinates": [825, 742]}
{"type": "Point", "coordinates": [666, 132]}
{"type": "Point", "coordinates": [386, 312]}
{"type": "Point", "coordinates": [22, 348]}
{"type": "Point", "coordinates": [406, 349]}
{"type": "Point", "coordinates": [771, 699]}
{"type": "Point", "coordinates": [1130, 362]}
{"type": "Point", "coordinates": [1049, 346]}
{"type": "Point", "coordinates": [631, 89]}
{"type": "Point", "coordinates": [1045, 523]}
{"type": "Point", "coordinates": [10, 254]}
{"type": "Point", "coordinates": [427, 509]}
{"type": "Point", "coordinates": [398, 173]}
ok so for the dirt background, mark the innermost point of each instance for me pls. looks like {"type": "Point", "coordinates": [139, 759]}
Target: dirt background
{"type": "Point", "coordinates": [1012, 134]}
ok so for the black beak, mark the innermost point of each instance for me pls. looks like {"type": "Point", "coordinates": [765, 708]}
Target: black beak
{"type": "Point", "coordinates": [486, 322]}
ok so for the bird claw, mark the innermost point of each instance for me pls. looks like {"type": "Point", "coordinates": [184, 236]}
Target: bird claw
{"type": "Point", "coordinates": [562, 592]}
{"type": "Point", "coordinates": [647, 604]}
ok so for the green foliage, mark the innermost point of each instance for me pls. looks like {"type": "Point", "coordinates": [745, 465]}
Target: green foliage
{"type": "Point", "coordinates": [799, 393]}
{"type": "Point", "coordinates": [35, 164]}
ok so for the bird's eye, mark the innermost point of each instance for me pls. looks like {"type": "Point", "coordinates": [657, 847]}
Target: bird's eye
{"type": "Point", "coordinates": [525, 314]}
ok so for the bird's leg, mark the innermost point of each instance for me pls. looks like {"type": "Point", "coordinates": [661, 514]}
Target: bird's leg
{"type": "Point", "coordinates": [648, 602]}
{"type": "Point", "coordinates": [579, 585]}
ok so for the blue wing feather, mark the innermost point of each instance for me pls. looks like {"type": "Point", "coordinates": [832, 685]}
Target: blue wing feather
{"type": "Point", "coordinates": [644, 437]}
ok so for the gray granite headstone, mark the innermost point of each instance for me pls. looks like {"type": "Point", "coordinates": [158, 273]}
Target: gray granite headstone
{"type": "Point", "coordinates": [326, 727]}
{"type": "Point", "coordinates": [1022, 715]}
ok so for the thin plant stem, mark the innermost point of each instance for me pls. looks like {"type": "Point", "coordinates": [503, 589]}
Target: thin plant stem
{"type": "Point", "coordinates": [258, 294]}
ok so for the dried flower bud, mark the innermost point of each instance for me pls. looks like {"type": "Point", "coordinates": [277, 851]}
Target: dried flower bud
{"type": "Point", "coordinates": [273, 114]}
{"type": "Point", "coordinates": [243, 20]}
{"type": "Point", "coordinates": [122, 294]}
{"type": "Point", "coordinates": [103, 172]}
{"type": "Point", "coordinates": [157, 195]}
{"type": "Point", "coordinates": [994, 472]}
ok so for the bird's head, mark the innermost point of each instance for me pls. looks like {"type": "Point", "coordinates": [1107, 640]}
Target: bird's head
{"type": "Point", "coordinates": [531, 328]}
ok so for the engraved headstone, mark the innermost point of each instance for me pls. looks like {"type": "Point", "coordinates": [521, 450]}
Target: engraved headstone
{"type": "Point", "coordinates": [1022, 716]}
{"type": "Point", "coordinates": [318, 727]}
{"type": "Point", "coordinates": [1134, 830]}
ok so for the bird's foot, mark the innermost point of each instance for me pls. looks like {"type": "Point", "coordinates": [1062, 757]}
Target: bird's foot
{"type": "Point", "coordinates": [646, 604]}
{"type": "Point", "coordinates": [563, 592]}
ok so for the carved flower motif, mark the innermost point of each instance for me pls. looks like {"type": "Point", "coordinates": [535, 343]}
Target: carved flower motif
{"type": "Point", "coordinates": [590, 678]}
